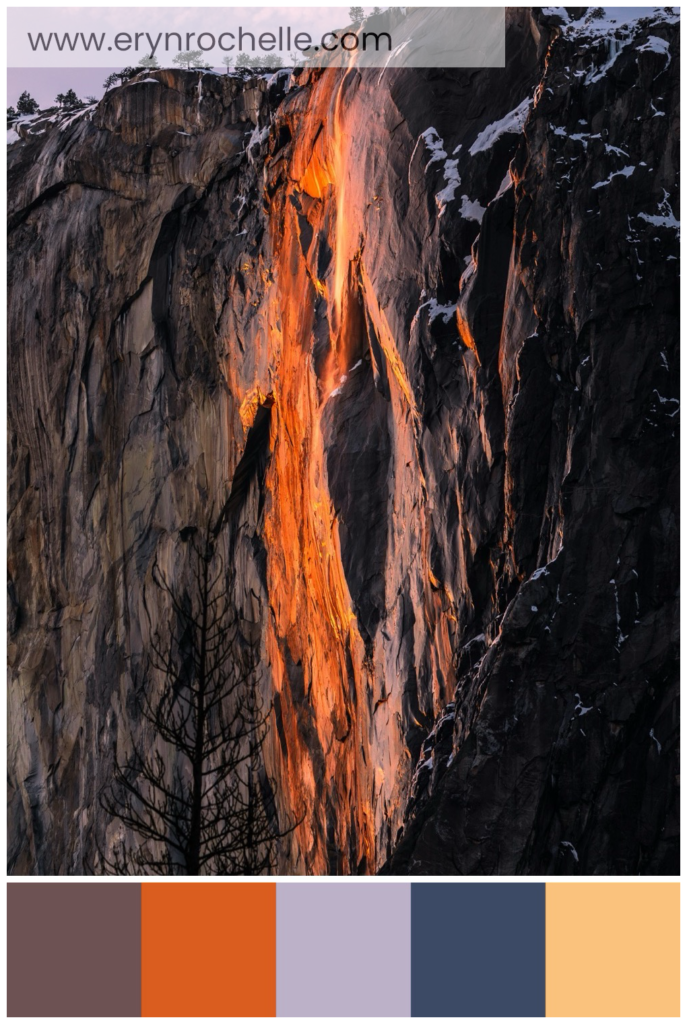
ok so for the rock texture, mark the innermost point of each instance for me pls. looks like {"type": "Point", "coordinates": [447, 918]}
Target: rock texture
{"type": "Point", "coordinates": [417, 332]}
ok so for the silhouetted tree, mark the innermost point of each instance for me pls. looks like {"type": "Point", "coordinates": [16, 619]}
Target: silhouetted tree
{"type": "Point", "coordinates": [268, 62]}
{"type": "Point", "coordinates": [68, 100]}
{"type": "Point", "coordinates": [111, 80]}
{"type": "Point", "coordinates": [243, 61]}
{"type": "Point", "coordinates": [150, 62]}
{"type": "Point", "coordinates": [356, 13]}
{"type": "Point", "coordinates": [197, 795]}
{"type": "Point", "coordinates": [191, 60]}
{"type": "Point", "coordinates": [26, 104]}
{"type": "Point", "coordinates": [261, 62]}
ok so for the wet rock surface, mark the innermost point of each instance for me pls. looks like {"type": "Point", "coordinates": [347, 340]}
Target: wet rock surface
{"type": "Point", "coordinates": [417, 333]}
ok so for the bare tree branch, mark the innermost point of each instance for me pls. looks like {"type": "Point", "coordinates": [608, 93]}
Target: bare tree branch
{"type": "Point", "coordinates": [197, 799]}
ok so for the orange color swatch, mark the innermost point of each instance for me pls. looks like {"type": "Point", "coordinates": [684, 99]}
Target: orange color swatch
{"type": "Point", "coordinates": [613, 949]}
{"type": "Point", "coordinates": [208, 949]}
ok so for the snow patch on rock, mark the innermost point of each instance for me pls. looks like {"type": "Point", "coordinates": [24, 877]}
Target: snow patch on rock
{"type": "Point", "coordinates": [513, 123]}
{"type": "Point", "coordinates": [471, 209]}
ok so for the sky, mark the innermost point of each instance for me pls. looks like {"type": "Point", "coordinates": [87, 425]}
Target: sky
{"type": "Point", "coordinates": [44, 83]}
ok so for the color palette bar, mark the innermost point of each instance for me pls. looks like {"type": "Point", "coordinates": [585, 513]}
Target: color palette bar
{"type": "Point", "coordinates": [323, 949]}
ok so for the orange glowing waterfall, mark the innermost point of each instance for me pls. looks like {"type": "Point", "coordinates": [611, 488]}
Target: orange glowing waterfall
{"type": "Point", "coordinates": [315, 652]}
{"type": "Point", "coordinates": [339, 752]}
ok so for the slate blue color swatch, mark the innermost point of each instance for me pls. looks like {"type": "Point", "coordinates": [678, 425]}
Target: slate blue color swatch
{"type": "Point", "coordinates": [478, 949]}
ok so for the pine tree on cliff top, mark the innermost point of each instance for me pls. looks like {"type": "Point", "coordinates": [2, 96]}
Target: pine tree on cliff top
{"type": "Point", "coordinates": [68, 100]}
{"type": "Point", "coordinates": [26, 104]}
{"type": "Point", "coordinates": [150, 62]}
{"type": "Point", "coordinates": [191, 60]}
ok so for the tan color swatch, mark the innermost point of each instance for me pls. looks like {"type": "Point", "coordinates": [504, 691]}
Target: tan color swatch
{"type": "Point", "coordinates": [612, 949]}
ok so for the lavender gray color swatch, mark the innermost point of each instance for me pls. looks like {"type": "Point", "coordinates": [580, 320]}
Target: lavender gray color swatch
{"type": "Point", "coordinates": [343, 950]}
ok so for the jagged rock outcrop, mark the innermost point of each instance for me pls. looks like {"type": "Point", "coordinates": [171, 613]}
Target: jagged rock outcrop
{"type": "Point", "coordinates": [417, 332]}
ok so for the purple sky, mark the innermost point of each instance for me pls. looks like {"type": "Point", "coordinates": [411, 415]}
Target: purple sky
{"type": "Point", "coordinates": [45, 83]}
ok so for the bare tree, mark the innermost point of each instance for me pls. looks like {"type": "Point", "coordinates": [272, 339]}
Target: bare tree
{"type": "Point", "coordinates": [198, 797]}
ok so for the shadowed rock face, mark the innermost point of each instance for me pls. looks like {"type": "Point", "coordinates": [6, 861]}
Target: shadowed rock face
{"type": "Point", "coordinates": [416, 333]}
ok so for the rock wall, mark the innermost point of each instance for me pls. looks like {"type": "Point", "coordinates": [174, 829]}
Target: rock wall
{"type": "Point", "coordinates": [417, 332]}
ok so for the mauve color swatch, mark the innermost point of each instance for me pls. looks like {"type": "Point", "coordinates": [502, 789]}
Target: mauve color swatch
{"type": "Point", "coordinates": [343, 950]}
{"type": "Point", "coordinates": [73, 949]}
{"type": "Point", "coordinates": [478, 949]}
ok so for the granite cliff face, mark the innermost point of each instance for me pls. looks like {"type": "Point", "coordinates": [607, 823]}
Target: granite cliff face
{"type": "Point", "coordinates": [417, 332]}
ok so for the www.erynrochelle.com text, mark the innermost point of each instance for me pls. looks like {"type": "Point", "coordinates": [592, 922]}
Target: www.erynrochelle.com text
{"type": "Point", "coordinates": [281, 40]}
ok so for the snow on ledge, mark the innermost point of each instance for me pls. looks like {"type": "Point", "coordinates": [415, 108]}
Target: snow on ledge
{"type": "Point", "coordinates": [472, 209]}
{"type": "Point", "coordinates": [512, 123]}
